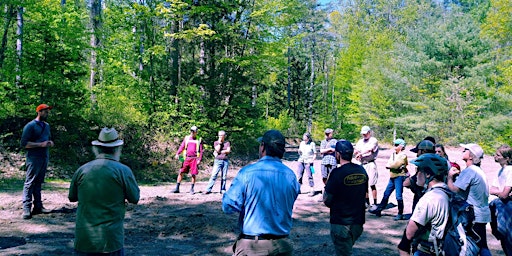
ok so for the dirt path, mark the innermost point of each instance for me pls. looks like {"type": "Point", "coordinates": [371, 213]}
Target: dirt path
{"type": "Point", "coordinates": [183, 224]}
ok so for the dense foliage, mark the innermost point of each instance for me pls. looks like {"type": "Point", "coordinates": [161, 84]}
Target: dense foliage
{"type": "Point", "coordinates": [153, 68]}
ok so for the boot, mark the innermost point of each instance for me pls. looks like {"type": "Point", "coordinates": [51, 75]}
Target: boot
{"type": "Point", "coordinates": [400, 215]}
{"type": "Point", "coordinates": [177, 189]}
{"type": "Point", "coordinates": [26, 214]}
{"type": "Point", "coordinates": [377, 210]}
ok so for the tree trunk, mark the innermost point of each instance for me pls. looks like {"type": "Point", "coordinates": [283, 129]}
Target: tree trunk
{"type": "Point", "coordinates": [9, 15]}
{"type": "Point", "coordinates": [95, 43]}
{"type": "Point", "coordinates": [19, 48]}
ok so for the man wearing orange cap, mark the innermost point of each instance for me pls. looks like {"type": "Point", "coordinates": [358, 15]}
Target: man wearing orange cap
{"type": "Point", "coordinates": [36, 139]}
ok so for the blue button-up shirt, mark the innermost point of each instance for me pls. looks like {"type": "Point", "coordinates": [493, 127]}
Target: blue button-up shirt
{"type": "Point", "coordinates": [263, 193]}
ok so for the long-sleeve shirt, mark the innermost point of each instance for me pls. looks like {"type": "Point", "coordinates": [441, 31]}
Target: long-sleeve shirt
{"type": "Point", "coordinates": [263, 193]}
{"type": "Point", "coordinates": [397, 164]}
{"type": "Point", "coordinates": [101, 187]}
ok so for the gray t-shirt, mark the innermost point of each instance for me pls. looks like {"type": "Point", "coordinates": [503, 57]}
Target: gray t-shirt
{"type": "Point", "coordinates": [473, 183]}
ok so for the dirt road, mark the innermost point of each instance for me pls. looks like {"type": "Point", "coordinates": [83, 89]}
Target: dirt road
{"type": "Point", "coordinates": [183, 224]}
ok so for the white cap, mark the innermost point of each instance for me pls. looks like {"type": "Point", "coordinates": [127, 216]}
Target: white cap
{"type": "Point", "coordinates": [365, 129]}
{"type": "Point", "coordinates": [475, 149]}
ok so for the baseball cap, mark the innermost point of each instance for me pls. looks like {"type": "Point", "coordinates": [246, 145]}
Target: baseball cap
{"type": "Point", "coordinates": [193, 128]}
{"type": "Point", "coordinates": [423, 145]}
{"type": "Point", "coordinates": [274, 140]}
{"type": "Point", "coordinates": [344, 147]}
{"type": "Point", "coordinates": [328, 130]}
{"type": "Point", "coordinates": [474, 148]}
{"type": "Point", "coordinates": [43, 107]}
{"type": "Point", "coordinates": [399, 142]}
{"type": "Point", "coordinates": [365, 129]}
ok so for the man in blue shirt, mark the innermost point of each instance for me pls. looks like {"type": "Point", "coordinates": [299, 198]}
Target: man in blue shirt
{"type": "Point", "coordinates": [36, 140]}
{"type": "Point", "coordinates": [264, 193]}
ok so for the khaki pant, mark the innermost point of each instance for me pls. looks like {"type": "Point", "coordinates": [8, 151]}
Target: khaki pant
{"type": "Point", "coordinates": [243, 247]}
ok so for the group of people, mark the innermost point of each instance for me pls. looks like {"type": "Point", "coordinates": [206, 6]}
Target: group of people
{"type": "Point", "coordinates": [263, 193]}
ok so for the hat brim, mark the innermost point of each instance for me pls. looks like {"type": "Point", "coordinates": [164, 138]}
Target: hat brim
{"type": "Point", "coordinates": [116, 143]}
{"type": "Point", "coordinates": [414, 150]}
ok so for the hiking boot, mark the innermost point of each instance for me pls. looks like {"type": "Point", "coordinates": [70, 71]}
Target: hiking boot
{"type": "Point", "coordinates": [26, 214]}
{"type": "Point", "coordinates": [399, 217]}
{"type": "Point", "coordinates": [311, 193]}
{"type": "Point", "coordinates": [41, 210]}
{"type": "Point", "coordinates": [375, 209]}
{"type": "Point", "coordinates": [176, 190]}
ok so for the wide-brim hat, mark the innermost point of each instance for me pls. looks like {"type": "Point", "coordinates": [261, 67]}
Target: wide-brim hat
{"type": "Point", "coordinates": [108, 138]}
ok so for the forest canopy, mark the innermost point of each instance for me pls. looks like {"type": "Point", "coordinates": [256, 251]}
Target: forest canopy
{"type": "Point", "coordinates": [154, 68]}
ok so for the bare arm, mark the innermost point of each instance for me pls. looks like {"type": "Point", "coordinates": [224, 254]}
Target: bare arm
{"type": "Point", "coordinates": [450, 180]}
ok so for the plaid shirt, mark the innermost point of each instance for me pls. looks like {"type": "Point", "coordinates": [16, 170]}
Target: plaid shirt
{"type": "Point", "coordinates": [328, 159]}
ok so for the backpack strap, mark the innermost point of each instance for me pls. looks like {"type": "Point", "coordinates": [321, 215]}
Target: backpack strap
{"type": "Point", "coordinates": [186, 145]}
{"type": "Point", "coordinates": [197, 147]}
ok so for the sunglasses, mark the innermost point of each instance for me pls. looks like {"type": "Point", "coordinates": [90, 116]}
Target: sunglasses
{"type": "Point", "coordinates": [396, 145]}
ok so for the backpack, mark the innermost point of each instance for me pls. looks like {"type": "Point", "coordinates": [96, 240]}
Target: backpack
{"type": "Point", "coordinates": [459, 237]}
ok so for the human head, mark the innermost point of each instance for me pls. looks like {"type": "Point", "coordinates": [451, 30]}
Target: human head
{"type": "Point", "coordinates": [441, 151]}
{"type": "Point", "coordinates": [306, 137]}
{"type": "Point", "coordinates": [399, 144]}
{"type": "Point", "coordinates": [221, 135]}
{"type": "Point", "coordinates": [425, 146]}
{"type": "Point", "coordinates": [108, 142]}
{"type": "Point", "coordinates": [433, 166]}
{"type": "Point", "coordinates": [344, 150]}
{"type": "Point", "coordinates": [503, 155]}
{"type": "Point", "coordinates": [273, 143]}
{"type": "Point", "coordinates": [43, 111]}
{"type": "Point", "coordinates": [328, 133]}
{"type": "Point", "coordinates": [472, 152]}
{"type": "Point", "coordinates": [366, 132]}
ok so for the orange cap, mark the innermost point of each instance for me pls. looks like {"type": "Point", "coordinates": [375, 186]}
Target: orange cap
{"type": "Point", "coordinates": [43, 107]}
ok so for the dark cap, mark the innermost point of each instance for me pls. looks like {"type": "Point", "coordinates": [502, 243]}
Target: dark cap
{"type": "Point", "coordinates": [344, 147]}
{"type": "Point", "coordinates": [424, 145]}
{"type": "Point", "coordinates": [274, 143]}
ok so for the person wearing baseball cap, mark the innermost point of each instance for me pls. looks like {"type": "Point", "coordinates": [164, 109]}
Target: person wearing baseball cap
{"type": "Point", "coordinates": [327, 149]}
{"type": "Point", "coordinates": [366, 151]}
{"type": "Point", "coordinates": [192, 149]}
{"type": "Point", "coordinates": [471, 184]}
{"type": "Point", "coordinates": [345, 194]}
{"type": "Point", "coordinates": [36, 140]}
{"type": "Point", "coordinates": [101, 188]}
{"type": "Point", "coordinates": [263, 194]}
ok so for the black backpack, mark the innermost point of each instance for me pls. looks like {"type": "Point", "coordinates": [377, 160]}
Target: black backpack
{"type": "Point", "coordinates": [459, 238]}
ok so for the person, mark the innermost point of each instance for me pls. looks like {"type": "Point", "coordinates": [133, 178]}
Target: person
{"type": "Point", "coordinates": [366, 151]}
{"type": "Point", "coordinates": [101, 188]}
{"type": "Point", "coordinates": [471, 184]}
{"type": "Point", "coordinates": [221, 150]}
{"type": "Point", "coordinates": [307, 154]}
{"type": "Point", "coordinates": [345, 194]}
{"type": "Point", "coordinates": [501, 204]}
{"type": "Point", "coordinates": [263, 193]}
{"type": "Point", "coordinates": [397, 165]}
{"type": "Point", "coordinates": [192, 149]}
{"type": "Point", "coordinates": [36, 139]}
{"type": "Point", "coordinates": [439, 148]}
{"type": "Point", "coordinates": [425, 146]}
{"type": "Point", "coordinates": [328, 154]}
{"type": "Point", "coordinates": [426, 227]}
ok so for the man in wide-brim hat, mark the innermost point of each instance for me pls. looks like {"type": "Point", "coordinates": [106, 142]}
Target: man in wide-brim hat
{"type": "Point", "coordinates": [101, 187]}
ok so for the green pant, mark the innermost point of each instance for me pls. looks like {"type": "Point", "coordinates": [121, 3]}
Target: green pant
{"type": "Point", "coordinates": [344, 236]}
{"type": "Point", "coordinates": [280, 247]}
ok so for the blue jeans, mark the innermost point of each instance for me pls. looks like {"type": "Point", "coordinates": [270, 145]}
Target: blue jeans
{"type": "Point", "coordinates": [300, 173]}
{"type": "Point", "coordinates": [218, 166]}
{"type": "Point", "coordinates": [34, 178]}
{"type": "Point", "coordinates": [397, 184]}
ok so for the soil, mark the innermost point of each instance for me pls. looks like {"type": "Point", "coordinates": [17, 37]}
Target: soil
{"type": "Point", "coordinates": [163, 223]}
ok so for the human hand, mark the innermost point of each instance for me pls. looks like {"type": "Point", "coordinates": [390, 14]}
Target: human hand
{"type": "Point", "coordinates": [176, 156]}
{"type": "Point", "coordinates": [453, 172]}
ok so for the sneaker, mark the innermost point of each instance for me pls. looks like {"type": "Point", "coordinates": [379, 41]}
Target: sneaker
{"type": "Point", "coordinates": [223, 191]}
{"type": "Point", "coordinates": [26, 214]}
{"type": "Point", "coordinates": [176, 190]}
{"type": "Point", "coordinates": [207, 192]}
{"type": "Point", "coordinates": [41, 210]}
{"type": "Point", "coordinates": [192, 191]}
{"type": "Point", "coordinates": [399, 217]}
